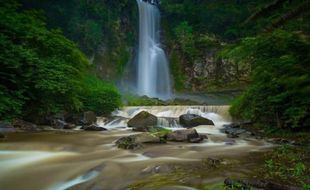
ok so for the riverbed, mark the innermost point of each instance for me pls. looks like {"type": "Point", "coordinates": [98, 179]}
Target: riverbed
{"type": "Point", "coordinates": [76, 159]}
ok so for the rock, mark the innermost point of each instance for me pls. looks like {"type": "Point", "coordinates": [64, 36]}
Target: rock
{"type": "Point", "coordinates": [187, 135]}
{"type": "Point", "coordinates": [2, 136]}
{"type": "Point", "coordinates": [94, 127]}
{"type": "Point", "coordinates": [76, 119]}
{"type": "Point", "coordinates": [137, 141]}
{"type": "Point", "coordinates": [60, 124]}
{"type": "Point", "coordinates": [89, 118]}
{"type": "Point", "coordinates": [143, 122]}
{"type": "Point", "coordinates": [25, 126]}
{"type": "Point", "coordinates": [6, 127]}
{"type": "Point", "coordinates": [192, 120]}
{"type": "Point", "coordinates": [233, 132]}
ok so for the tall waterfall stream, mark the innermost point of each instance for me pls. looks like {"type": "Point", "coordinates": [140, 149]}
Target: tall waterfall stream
{"type": "Point", "coordinates": [90, 160]}
{"type": "Point", "coordinates": [153, 78]}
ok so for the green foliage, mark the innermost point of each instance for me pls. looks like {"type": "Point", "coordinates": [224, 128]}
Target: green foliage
{"type": "Point", "coordinates": [176, 70]}
{"type": "Point", "coordinates": [185, 37]}
{"type": "Point", "coordinates": [132, 100]}
{"type": "Point", "coordinates": [99, 96]}
{"type": "Point", "coordinates": [287, 164]}
{"type": "Point", "coordinates": [41, 70]}
{"type": "Point", "coordinates": [279, 91]}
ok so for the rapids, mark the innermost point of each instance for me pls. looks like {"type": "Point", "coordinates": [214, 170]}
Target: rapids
{"type": "Point", "coordinates": [59, 160]}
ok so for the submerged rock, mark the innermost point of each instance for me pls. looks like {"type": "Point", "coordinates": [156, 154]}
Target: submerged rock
{"type": "Point", "coordinates": [234, 132]}
{"type": "Point", "coordinates": [94, 127]}
{"type": "Point", "coordinates": [186, 135]}
{"type": "Point", "coordinates": [143, 122]}
{"type": "Point", "coordinates": [192, 120]}
{"type": "Point", "coordinates": [137, 141]}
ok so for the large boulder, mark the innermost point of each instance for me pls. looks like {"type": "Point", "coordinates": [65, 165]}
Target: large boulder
{"type": "Point", "coordinates": [94, 127]}
{"type": "Point", "coordinates": [137, 141]}
{"type": "Point", "coordinates": [89, 118]}
{"type": "Point", "coordinates": [186, 135]}
{"type": "Point", "coordinates": [143, 122]}
{"type": "Point", "coordinates": [192, 120]}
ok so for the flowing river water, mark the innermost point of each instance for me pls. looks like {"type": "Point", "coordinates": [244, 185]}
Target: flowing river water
{"type": "Point", "coordinates": [77, 159]}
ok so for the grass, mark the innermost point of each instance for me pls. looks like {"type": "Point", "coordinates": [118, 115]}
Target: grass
{"type": "Point", "coordinates": [288, 164]}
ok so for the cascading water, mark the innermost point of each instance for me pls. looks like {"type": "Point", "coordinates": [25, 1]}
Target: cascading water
{"type": "Point", "coordinates": [153, 78]}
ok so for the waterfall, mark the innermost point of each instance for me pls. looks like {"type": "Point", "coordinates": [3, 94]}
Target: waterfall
{"type": "Point", "coordinates": [153, 79]}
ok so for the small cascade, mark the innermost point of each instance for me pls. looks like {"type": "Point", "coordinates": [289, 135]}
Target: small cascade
{"type": "Point", "coordinates": [176, 111]}
{"type": "Point", "coordinates": [168, 116]}
{"type": "Point", "coordinates": [168, 122]}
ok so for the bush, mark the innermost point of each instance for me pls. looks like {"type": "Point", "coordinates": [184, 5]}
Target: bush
{"type": "Point", "coordinates": [99, 96]}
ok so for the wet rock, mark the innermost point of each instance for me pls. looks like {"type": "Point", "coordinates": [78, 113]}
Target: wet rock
{"type": "Point", "coordinates": [60, 124]}
{"type": "Point", "coordinates": [89, 118]}
{"type": "Point", "coordinates": [192, 120]}
{"type": "Point", "coordinates": [137, 141]}
{"type": "Point", "coordinates": [187, 135]}
{"type": "Point", "coordinates": [25, 126]}
{"type": "Point", "coordinates": [143, 122]}
{"type": "Point", "coordinates": [76, 119]}
{"type": "Point", "coordinates": [2, 136]}
{"type": "Point", "coordinates": [233, 132]}
{"type": "Point", "coordinates": [94, 127]}
{"type": "Point", "coordinates": [6, 127]}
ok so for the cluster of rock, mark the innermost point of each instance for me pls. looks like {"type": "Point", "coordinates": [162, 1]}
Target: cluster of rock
{"type": "Point", "coordinates": [86, 121]}
{"type": "Point", "coordinates": [147, 123]}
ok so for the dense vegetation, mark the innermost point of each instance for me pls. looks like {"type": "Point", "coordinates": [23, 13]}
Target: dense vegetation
{"type": "Point", "coordinates": [42, 72]}
{"type": "Point", "coordinates": [211, 45]}
{"type": "Point", "coordinates": [104, 30]}
{"type": "Point", "coordinates": [279, 90]}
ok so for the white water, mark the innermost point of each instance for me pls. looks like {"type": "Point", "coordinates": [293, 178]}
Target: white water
{"type": "Point", "coordinates": [153, 78]}
{"type": "Point", "coordinates": [168, 117]}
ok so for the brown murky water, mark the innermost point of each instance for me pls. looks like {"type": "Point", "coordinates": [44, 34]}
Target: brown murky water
{"type": "Point", "coordinates": [90, 160]}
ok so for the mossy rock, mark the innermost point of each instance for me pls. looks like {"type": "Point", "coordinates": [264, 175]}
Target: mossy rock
{"type": "Point", "coordinates": [143, 122]}
{"type": "Point", "coordinates": [136, 141]}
